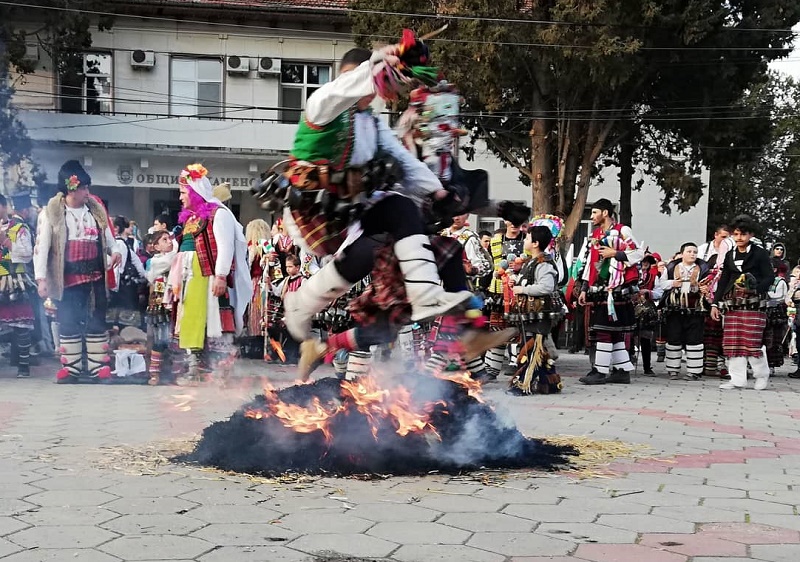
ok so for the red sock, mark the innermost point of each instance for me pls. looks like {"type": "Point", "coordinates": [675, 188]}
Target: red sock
{"type": "Point", "coordinates": [343, 340]}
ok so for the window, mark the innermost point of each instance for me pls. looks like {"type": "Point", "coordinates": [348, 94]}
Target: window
{"type": "Point", "coordinates": [298, 81]}
{"type": "Point", "coordinates": [196, 87]}
{"type": "Point", "coordinates": [89, 90]}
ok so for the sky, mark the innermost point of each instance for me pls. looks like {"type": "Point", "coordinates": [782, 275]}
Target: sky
{"type": "Point", "coordinates": [791, 64]}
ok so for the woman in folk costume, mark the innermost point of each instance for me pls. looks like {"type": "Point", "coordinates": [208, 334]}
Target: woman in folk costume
{"type": "Point", "coordinates": [537, 306]}
{"type": "Point", "coordinates": [16, 311]}
{"type": "Point", "coordinates": [210, 279]}
{"type": "Point", "coordinates": [342, 158]}
{"type": "Point", "coordinates": [777, 314]}
{"type": "Point", "coordinates": [684, 311]}
{"type": "Point", "coordinates": [741, 296]}
{"type": "Point", "coordinates": [610, 283]}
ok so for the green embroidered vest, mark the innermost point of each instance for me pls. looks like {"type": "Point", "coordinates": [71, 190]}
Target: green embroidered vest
{"type": "Point", "coordinates": [329, 144]}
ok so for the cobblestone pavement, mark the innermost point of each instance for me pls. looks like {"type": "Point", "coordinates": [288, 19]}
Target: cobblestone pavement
{"type": "Point", "coordinates": [724, 488]}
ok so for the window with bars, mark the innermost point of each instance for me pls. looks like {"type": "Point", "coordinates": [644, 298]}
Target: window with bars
{"type": "Point", "coordinates": [88, 90]}
{"type": "Point", "coordinates": [298, 81]}
{"type": "Point", "coordinates": [196, 87]}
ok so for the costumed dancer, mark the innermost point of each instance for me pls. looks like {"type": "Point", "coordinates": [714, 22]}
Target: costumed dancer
{"type": "Point", "coordinates": [259, 247]}
{"type": "Point", "coordinates": [69, 260]}
{"type": "Point", "coordinates": [777, 313]}
{"type": "Point", "coordinates": [537, 305]}
{"type": "Point", "coordinates": [505, 248]}
{"type": "Point", "coordinates": [342, 159]}
{"type": "Point", "coordinates": [684, 311]}
{"type": "Point", "coordinates": [210, 279]}
{"type": "Point", "coordinates": [647, 313]}
{"type": "Point", "coordinates": [16, 310]}
{"type": "Point", "coordinates": [741, 296]}
{"type": "Point", "coordinates": [159, 308]}
{"type": "Point", "coordinates": [610, 283]}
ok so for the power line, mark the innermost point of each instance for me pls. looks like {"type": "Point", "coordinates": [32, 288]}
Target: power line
{"type": "Point", "coordinates": [437, 39]}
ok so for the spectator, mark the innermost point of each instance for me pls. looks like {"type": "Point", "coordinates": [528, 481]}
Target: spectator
{"type": "Point", "coordinates": [130, 278]}
{"type": "Point", "coordinates": [159, 307]}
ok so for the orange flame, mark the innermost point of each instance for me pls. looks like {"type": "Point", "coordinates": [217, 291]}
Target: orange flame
{"type": "Point", "coordinates": [473, 387]}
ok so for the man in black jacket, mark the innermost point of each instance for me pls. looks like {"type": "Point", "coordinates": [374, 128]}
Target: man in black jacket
{"type": "Point", "coordinates": [741, 294]}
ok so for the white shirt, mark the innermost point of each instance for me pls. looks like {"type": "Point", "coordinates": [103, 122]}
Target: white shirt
{"type": "Point", "coordinates": [472, 247]}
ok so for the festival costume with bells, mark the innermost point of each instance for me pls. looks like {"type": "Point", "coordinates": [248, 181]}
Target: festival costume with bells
{"type": "Point", "coordinates": [209, 247]}
{"type": "Point", "coordinates": [777, 316]}
{"type": "Point", "coordinates": [158, 318]}
{"type": "Point", "coordinates": [741, 296]}
{"type": "Point", "coordinates": [713, 361]}
{"type": "Point", "coordinates": [16, 285]}
{"type": "Point", "coordinates": [684, 310]}
{"type": "Point", "coordinates": [341, 160]}
{"type": "Point", "coordinates": [70, 254]}
{"type": "Point", "coordinates": [535, 310]}
{"type": "Point", "coordinates": [611, 285]}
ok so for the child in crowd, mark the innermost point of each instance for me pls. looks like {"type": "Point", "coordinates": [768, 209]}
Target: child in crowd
{"type": "Point", "coordinates": [159, 306]}
{"type": "Point", "coordinates": [289, 284]}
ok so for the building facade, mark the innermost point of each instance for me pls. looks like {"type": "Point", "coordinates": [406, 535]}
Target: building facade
{"type": "Point", "coordinates": [223, 82]}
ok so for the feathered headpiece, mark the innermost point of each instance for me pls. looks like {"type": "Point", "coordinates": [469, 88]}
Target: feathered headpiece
{"type": "Point", "coordinates": [554, 224]}
{"type": "Point", "coordinates": [414, 64]}
{"type": "Point", "coordinates": [194, 175]}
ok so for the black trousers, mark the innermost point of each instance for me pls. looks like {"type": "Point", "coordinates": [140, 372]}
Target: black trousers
{"type": "Point", "coordinates": [82, 309]}
{"type": "Point", "coordinates": [684, 329]}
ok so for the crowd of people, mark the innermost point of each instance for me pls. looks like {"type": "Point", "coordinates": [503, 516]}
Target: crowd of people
{"type": "Point", "coordinates": [370, 254]}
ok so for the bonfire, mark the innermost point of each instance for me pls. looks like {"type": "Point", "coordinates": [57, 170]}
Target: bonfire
{"type": "Point", "coordinates": [412, 426]}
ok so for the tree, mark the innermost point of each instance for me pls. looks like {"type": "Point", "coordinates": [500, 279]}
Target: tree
{"type": "Point", "coordinates": [766, 184]}
{"type": "Point", "coordinates": [62, 30]}
{"type": "Point", "coordinates": [552, 86]}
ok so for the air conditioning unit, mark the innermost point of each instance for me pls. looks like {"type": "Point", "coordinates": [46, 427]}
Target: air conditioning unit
{"type": "Point", "coordinates": [269, 66]}
{"type": "Point", "coordinates": [143, 59]}
{"type": "Point", "coordinates": [31, 52]}
{"type": "Point", "coordinates": [237, 65]}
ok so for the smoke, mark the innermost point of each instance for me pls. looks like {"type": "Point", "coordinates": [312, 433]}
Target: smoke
{"type": "Point", "coordinates": [460, 433]}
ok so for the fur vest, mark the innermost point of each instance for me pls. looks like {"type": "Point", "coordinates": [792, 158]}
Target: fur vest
{"type": "Point", "coordinates": [56, 216]}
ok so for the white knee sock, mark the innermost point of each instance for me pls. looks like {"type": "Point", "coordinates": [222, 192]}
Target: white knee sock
{"type": "Point", "coordinates": [760, 365]}
{"type": "Point", "coordinates": [673, 358]}
{"type": "Point", "coordinates": [494, 359]}
{"type": "Point", "coordinates": [620, 358]}
{"type": "Point", "coordinates": [694, 359]}
{"type": "Point", "coordinates": [737, 369]}
{"type": "Point", "coordinates": [602, 357]}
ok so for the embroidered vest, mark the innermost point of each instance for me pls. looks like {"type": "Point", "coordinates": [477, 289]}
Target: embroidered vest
{"type": "Point", "coordinates": [330, 144]}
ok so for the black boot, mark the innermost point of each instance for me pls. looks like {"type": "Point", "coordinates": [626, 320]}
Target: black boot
{"type": "Point", "coordinates": [619, 377]}
{"type": "Point", "coordinates": [594, 377]}
{"type": "Point", "coordinates": [795, 374]}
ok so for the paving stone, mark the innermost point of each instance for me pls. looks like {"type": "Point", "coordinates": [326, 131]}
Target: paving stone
{"type": "Point", "coordinates": [233, 495]}
{"type": "Point", "coordinates": [393, 512]}
{"type": "Point", "coordinates": [720, 559]}
{"type": "Point", "coordinates": [750, 533]}
{"type": "Point", "coordinates": [418, 533]}
{"type": "Point", "coordinates": [149, 487]}
{"type": "Point", "coordinates": [244, 534]}
{"type": "Point", "coordinates": [454, 504]}
{"type": "Point", "coordinates": [776, 552]}
{"type": "Point", "coordinates": [234, 514]}
{"type": "Point", "coordinates": [154, 524]}
{"type": "Point", "coordinates": [7, 547]}
{"type": "Point", "coordinates": [551, 513]}
{"type": "Point", "coordinates": [487, 522]}
{"type": "Point", "coordinates": [587, 532]}
{"type": "Point", "coordinates": [705, 491]}
{"type": "Point", "coordinates": [699, 514]}
{"type": "Point", "coordinates": [144, 506]}
{"type": "Point", "coordinates": [785, 521]}
{"type": "Point", "coordinates": [61, 555]}
{"type": "Point", "coordinates": [82, 515]}
{"type": "Point", "coordinates": [618, 505]}
{"type": "Point", "coordinates": [17, 490]}
{"type": "Point", "coordinates": [694, 545]}
{"type": "Point", "coordinates": [783, 496]}
{"type": "Point", "coordinates": [625, 553]}
{"type": "Point", "coordinates": [11, 525]}
{"type": "Point", "coordinates": [11, 506]}
{"type": "Point", "coordinates": [444, 553]}
{"type": "Point", "coordinates": [255, 554]}
{"type": "Point", "coordinates": [78, 482]}
{"type": "Point", "coordinates": [663, 499]}
{"type": "Point", "coordinates": [71, 498]}
{"type": "Point", "coordinates": [154, 547]}
{"type": "Point", "coordinates": [509, 495]}
{"type": "Point", "coordinates": [343, 544]}
{"type": "Point", "coordinates": [323, 522]}
{"type": "Point", "coordinates": [520, 544]}
{"type": "Point", "coordinates": [646, 523]}
{"type": "Point", "coordinates": [749, 506]}
{"type": "Point", "coordinates": [76, 536]}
